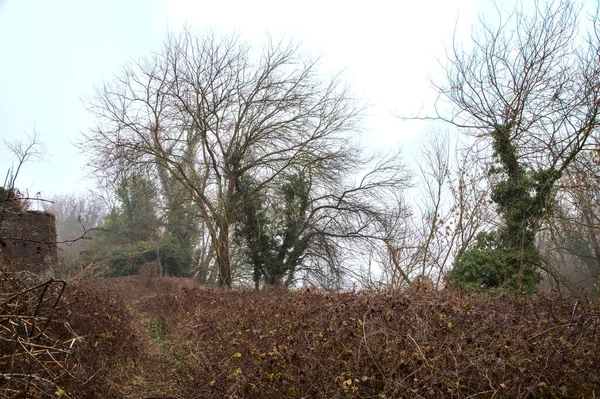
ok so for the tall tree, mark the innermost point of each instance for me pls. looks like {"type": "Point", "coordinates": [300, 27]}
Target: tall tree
{"type": "Point", "coordinates": [253, 226]}
{"type": "Point", "coordinates": [275, 238]}
{"type": "Point", "coordinates": [136, 216]}
{"type": "Point", "coordinates": [528, 86]}
{"type": "Point", "coordinates": [208, 110]}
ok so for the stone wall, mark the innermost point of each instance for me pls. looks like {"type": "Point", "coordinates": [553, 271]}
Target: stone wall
{"type": "Point", "coordinates": [28, 239]}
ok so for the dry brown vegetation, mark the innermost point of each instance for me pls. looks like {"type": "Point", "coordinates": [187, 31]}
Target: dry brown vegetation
{"type": "Point", "coordinates": [58, 340]}
{"type": "Point", "coordinates": [178, 340]}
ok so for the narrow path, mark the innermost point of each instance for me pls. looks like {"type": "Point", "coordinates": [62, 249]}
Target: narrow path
{"type": "Point", "coordinates": [152, 373]}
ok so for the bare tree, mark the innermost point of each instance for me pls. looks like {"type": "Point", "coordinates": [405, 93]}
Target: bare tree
{"type": "Point", "coordinates": [346, 212]}
{"type": "Point", "coordinates": [572, 238]}
{"type": "Point", "coordinates": [470, 212]}
{"type": "Point", "coordinates": [11, 199]}
{"type": "Point", "coordinates": [533, 75]}
{"type": "Point", "coordinates": [527, 86]}
{"type": "Point", "coordinates": [396, 257]}
{"type": "Point", "coordinates": [209, 110]}
{"type": "Point", "coordinates": [75, 215]}
{"type": "Point", "coordinates": [453, 205]}
{"type": "Point", "coordinates": [426, 237]}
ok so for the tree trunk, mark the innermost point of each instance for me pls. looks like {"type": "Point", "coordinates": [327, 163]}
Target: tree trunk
{"type": "Point", "coordinates": [223, 261]}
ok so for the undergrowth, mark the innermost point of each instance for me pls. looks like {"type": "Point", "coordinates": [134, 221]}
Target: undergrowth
{"type": "Point", "coordinates": [60, 340]}
{"type": "Point", "coordinates": [315, 344]}
{"type": "Point", "coordinates": [307, 344]}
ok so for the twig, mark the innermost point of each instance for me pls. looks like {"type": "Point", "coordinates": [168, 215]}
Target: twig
{"type": "Point", "coordinates": [420, 351]}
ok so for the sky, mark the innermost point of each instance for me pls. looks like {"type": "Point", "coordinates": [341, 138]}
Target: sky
{"type": "Point", "coordinates": [53, 54]}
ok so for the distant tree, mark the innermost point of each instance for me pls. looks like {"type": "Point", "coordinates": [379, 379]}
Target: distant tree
{"type": "Point", "coordinates": [130, 234]}
{"type": "Point", "coordinates": [76, 216]}
{"type": "Point", "coordinates": [527, 86]}
{"type": "Point", "coordinates": [209, 110]}
{"type": "Point", "coordinates": [573, 237]}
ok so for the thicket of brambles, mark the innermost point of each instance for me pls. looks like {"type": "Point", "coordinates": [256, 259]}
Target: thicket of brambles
{"type": "Point", "coordinates": [58, 339]}
{"type": "Point", "coordinates": [116, 337]}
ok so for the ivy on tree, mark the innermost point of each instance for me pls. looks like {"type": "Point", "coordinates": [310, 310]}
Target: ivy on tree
{"type": "Point", "coordinates": [528, 89]}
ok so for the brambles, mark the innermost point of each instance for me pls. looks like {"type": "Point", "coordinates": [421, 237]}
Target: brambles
{"type": "Point", "coordinates": [420, 343]}
{"type": "Point", "coordinates": [33, 357]}
{"type": "Point", "coordinates": [58, 341]}
{"type": "Point", "coordinates": [199, 343]}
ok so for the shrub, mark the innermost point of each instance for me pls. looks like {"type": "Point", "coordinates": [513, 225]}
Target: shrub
{"type": "Point", "coordinates": [489, 263]}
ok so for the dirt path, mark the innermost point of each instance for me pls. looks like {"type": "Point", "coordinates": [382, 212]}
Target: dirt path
{"type": "Point", "coordinates": [153, 374]}
{"type": "Point", "coordinates": [153, 371]}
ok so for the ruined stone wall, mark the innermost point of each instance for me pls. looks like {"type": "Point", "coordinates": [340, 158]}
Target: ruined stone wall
{"type": "Point", "coordinates": [28, 239]}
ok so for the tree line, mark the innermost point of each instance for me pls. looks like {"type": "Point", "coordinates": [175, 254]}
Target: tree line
{"type": "Point", "coordinates": [237, 164]}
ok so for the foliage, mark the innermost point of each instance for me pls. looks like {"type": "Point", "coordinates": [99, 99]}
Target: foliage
{"type": "Point", "coordinates": [489, 263]}
{"type": "Point", "coordinates": [179, 241]}
{"type": "Point", "coordinates": [136, 216]}
{"type": "Point", "coordinates": [509, 257]}
{"type": "Point", "coordinates": [181, 226]}
{"type": "Point", "coordinates": [176, 256]}
{"type": "Point", "coordinates": [275, 230]}
{"type": "Point", "coordinates": [132, 233]}
{"type": "Point", "coordinates": [123, 260]}
{"type": "Point", "coordinates": [295, 194]}
{"type": "Point", "coordinates": [252, 227]}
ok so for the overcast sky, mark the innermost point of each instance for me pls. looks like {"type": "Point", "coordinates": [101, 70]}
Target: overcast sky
{"type": "Point", "coordinates": [53, 53]}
